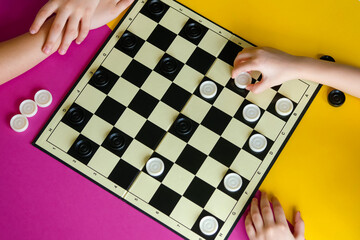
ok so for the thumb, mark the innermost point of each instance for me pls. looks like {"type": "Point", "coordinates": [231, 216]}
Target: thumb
{"type": "Point", "coordinates": [299, 227]}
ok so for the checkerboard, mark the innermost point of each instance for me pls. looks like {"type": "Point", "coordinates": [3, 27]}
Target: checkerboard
{"type": "Point", "coordinates": [126, 92]}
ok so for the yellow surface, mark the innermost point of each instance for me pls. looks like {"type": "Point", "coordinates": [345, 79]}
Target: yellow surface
{"type": "Point", "coordinates": [317, 172]}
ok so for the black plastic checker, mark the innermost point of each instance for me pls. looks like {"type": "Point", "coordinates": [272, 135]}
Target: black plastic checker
{"type": "Point", "coordinates": [103, 79]}
{"type": "Point", "coordinates": [83, 149]}
{"type": "Point", "coordinates": [183, 127]}
{"type": "Point", "coordinates": [117, 142]}
{"type": "Point", "coordinates": [193, 31]}
{"type": "Point", "coordinates": [154, 9]}
{"type": "Point", "coordinates": [168, 67]}
{"type": "Point", "coordinates": [129, 44]}
{"type": "Point", "coordinates": [77, 117]}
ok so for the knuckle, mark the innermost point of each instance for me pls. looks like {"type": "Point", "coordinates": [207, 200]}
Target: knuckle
{"type": "Point", "coordinates": [256, 218]}
{"type": "Point", "coordinates": [57, 27]}
{"type": "Point", "coordinates": [266, 209]}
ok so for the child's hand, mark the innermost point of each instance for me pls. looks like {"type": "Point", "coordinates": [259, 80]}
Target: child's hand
{"type": "Point", "coordinates": [268, 224]}
{"type": "Point", "coordinates": [107, 10]}
{"type": "Point", "coordinates": [276, 66]}
{"type": "Point", "coordinates": [75, 14]}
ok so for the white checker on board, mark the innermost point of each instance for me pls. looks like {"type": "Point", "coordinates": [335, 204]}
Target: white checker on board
{"type": "Point", "coordinates": [144, 88]}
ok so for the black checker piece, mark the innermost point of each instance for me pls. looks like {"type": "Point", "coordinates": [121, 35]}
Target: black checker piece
{"type": "Point", "coordinates": [196, 225]}
{"type": "Point", "coordinates": [168, 67]}
{"type": "Point", "coordinates": [136, 73]}
{"type": "Point", "coordinates": [150, 135]}
{"type": "Point", "coordinates": [117, 142]}
{"type": "Point", "coordinates": [155, 10]}
{"type": "Point", "coordinates": [129, 44]}
{"type": "Point", "coordinates": [110, 110]}
{"type": "Point", "coordinates": [336, 98]}
{"type": "Point", "coordinates": [191, 159]}
{"type": "Point", "coordinates": [183, 127]}
{"type": "Point", "coordinates": [201, 60]}
{"type": "Point", "coordinates": [161, 37]}
{"type": "Point", "coordinates": [165, 199]}
{"type": "Point", "coordinates": [199, 192]}
{"type": "Point", "coordinates": [103, 80]}
{"type": "Point", "coordinates": [176, 97]}
{"type": "Point", "coordinates": [77, 117]}
{"type": "Point", "coordinates": [123, 174]}
{"type": "Point", "coordinates": [259, 155]}
{"type": "Point", "coordinates": [235, 195]}
{"type": "Point", "coordinates": [83, 149]}
{"type": "Point", "coordinates": [193, 31]}
{"type": "Point", "coordinates": [229, 52]}
{"type": "Point", "coordinates": [224, 152]}
{"type": "Point", "coordinates": [143, 103]}
{"type": "Point", "coordinates": [216, 120]}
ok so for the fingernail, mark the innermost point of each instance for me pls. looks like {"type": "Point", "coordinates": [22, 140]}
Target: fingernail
{"type": "Point", "coordinates": [62, 51]}
{"type": "Point", "coordinates": [32, 31]}
{"type": "Point", "coordinates": [78, 42]}
{"type": "Point", "coordinates": [47, 50]}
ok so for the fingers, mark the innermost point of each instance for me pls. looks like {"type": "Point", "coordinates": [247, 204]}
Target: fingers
{"type": "Point", "coordinates": [278, 212]}
{"type": "Point", "coordinates": [266, 211]}
{"type": "Point", "coordinates": [42, 15]}
{"type": "Point", "coordinates": [259, 87]}
{"type": "Point", "coordinates": [250, 230]}
{"type": "Point", "coordinates": [122, 5]}
{"type": "Point", "coordinates": [84, 28]}
{"type": "Point", "coordinates": [55, 31]}
{"type": "Point", "coordinates": [70, 34]}
{"type": "Point", "coordinates": [299, 227]}
{"type": "Point", "coordinates": [255, 215]}
{"type": "Point", "coordinates": [244, 66]}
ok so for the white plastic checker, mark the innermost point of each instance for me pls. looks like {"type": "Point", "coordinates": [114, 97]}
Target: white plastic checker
{"type": "Point", "coordinates": [140, 99]}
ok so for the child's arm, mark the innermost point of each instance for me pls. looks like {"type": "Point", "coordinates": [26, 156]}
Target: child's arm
{"type": "Point", "coordinates": [278, 67]}
{"type": "Point", "coordinates": [266, 224]}
{"type": "Point", "coordinates": [24, 52]}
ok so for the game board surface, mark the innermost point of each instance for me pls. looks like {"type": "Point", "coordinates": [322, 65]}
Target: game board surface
{"type": "Point", "coordinates": [140, 99]}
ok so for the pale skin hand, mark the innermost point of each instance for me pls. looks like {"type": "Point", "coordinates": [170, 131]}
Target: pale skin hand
{"type": "Point", "coordinates": [72, 16]}
{"type": "Point", "coordinates": [277, 67]}
{"type": "Point", "coordinates": [266, 224]}
{"type": "Point", "coordinates": [20, 54]}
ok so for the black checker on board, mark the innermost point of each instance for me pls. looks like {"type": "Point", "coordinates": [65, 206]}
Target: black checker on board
{"type": "Point", "coordinates": [165, 199]}
{"type": "Point", "coordinates": [103, 79]}
{"type": "Point", "coordinates": [183, 127]}
{"type": "Point", "coordinates": [123, 174]}
{"type": "Point", "coordinates": [83, 149]}
{"type": "Point", "coordinates": [110, 110]}
{"type": "Point", "coordinates": [155, 10]}
{"type": "Point", "coordinates": [117, 142]}
{"type": "Point", "coordinates": [169, 67]}
{"type": "Point", "coordinates": [77, 117]}
{"type": "Point", "coordinates": [193, 31]}
{"type": "Point", "coordinates": [129, 44]}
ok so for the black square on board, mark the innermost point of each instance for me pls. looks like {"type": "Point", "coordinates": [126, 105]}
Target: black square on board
{"type": "Point", "coordinates": [161, 37]}
{"type": "Point", "coordinates": [123, 174]}
{"type": "Point", "coordinates": [176, 97]}
{"type": "Point", "coordinates": [209, 100]}
{"type": "Point", "coordinates": [150, 135]}
{"type": "Point", "coordinates": [129, 44]}
{"type": "Point", "coordinates": [77, 117]}
{"type": "Point", "coordinates": [235, 195]}
{"type": "Point", "coordinates": [216, 120]}
{"type": "Point", "coordinates": [224, 152]}
{"type": "Point", "coordinates": [155, 10]}
{"type": "Point", "coordinates": [196, 225]}
{"type": "Point", "coordinates": [83, 149]}
{"type": "Point", "coordinates": [168, 67]}
{"type": "Point", "coordinates": [199, 192]}
{"type": "Point", "coordinates": [165, 199]}
{"type": "Point", "coordinates": [167, 165]}
{"type": "Point", "coordinates": [110, 110]}
{"type": "Point", "coordinates": [229, 52]}
{"type": "Point", "coordinates": [117, 142]}
{"type": "Point", "coordinates": [103, 79]}
{"type": "Point", "coordinates": [259, 155]}
{"type": "Point", "coordinates": [201, 60]}
{"type": "Point", "coordinates": [191, 159]}
{"type": "Point", "coordinates": [136, 73]}
{"type": "Point", "coordinates": [143, 103]}
{"type": "Point", "coordinates": [239, 114]}
{"type": "Point", "coordinates": [193, 31]}
{"type": "Point", "coordinates": [183, 127]}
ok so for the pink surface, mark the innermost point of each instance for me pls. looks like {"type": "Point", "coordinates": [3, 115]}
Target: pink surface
{"type": "Point", "coordinates": [40, 197]}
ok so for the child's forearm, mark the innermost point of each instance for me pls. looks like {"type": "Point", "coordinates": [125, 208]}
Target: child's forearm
{"type": "Point", "coordinates": [343, 77]}
{"type": "Point", "coordinates": [19, 54]}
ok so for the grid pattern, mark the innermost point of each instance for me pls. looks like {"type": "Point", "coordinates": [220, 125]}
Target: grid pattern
{"type": "Point", "coordinates": [129, 110]}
